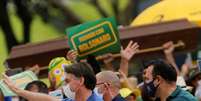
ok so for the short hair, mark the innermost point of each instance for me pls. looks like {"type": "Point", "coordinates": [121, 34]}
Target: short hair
{"type": "Point", "coordinates": [42, 87]}
{"type": "Point", "coordinates": [165, 70]}
{"type": "Point", "coordinates": [84, 70]}
{"type": "Point", "coordinates": [109, 77]}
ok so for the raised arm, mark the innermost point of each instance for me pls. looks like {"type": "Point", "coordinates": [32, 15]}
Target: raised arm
{"type": "Point", "coordinates": [168, 51]}
{"type": "Point", "coordinates": [126, 55]}
{"type": "Point", "coordinates": [30, 96]}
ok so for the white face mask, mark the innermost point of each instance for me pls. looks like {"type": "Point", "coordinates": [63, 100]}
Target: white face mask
{"type": "Point", "coordinates": [68, 92]}
{"type": "Point", "coordinates": [97, 92]}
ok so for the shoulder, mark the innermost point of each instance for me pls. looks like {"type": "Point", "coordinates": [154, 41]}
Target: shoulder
{"type": "Point", "coordinates": [186, 96]}
{"type": "Point", "coordinates": [94, 97]}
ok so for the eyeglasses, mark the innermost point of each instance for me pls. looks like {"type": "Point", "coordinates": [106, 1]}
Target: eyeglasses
{"type": "Point", "coordinates": [104, 83]}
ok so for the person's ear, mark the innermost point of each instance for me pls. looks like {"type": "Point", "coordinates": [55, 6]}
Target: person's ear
{"type": "Point", "coordinates": [158, 80]}
{"type": "Point", "coordinates": [82, 81]}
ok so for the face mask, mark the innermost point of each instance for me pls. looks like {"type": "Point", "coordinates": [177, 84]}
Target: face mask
{"type": "Point", "coordinates": [68, 92]}
{"type": "Point", "coordinates": [199, 82]}
{"type": "Point", "coordinates": [98, 93]}
{"type": "Point", "coordinates": [150, 89]}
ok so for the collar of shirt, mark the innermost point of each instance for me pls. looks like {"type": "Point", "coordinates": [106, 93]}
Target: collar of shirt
{"type": "Point", "coordinates": [175, 93]}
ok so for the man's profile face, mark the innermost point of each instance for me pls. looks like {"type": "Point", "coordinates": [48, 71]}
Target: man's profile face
{"type": "Point", "coordinates": [100, 85]}
{"type": "Point", "coordinates": [73, 82]}
{"type": "Point", "coordinates": [147, 75]}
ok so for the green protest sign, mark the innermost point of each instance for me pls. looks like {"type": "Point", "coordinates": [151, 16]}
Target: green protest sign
{"type": "Point", "coordinates": [94, 38]}
{"type": "Point", "coordinates": [20, 80]}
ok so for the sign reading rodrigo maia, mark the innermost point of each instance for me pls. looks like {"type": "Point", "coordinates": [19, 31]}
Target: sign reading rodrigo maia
{"type": "Point", "coordinates": [94, 38]}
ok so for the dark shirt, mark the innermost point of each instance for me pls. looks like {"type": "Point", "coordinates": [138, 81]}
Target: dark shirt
{"type": "Point", "coordinates": [118, 98]}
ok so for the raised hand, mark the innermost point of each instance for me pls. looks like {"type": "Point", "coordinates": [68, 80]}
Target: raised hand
{"type": "Point", "coordinates": [72, 55]}
{"type": "Point", "coordinates": [129, 51]}
{"type": "Point", "coordinates": [9, 83]}
{"type": "Point", "coordinates": [168, 47]}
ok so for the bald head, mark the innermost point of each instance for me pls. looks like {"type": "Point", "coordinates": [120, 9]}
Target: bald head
{"type": "Point", "coordinates": [108, 77]}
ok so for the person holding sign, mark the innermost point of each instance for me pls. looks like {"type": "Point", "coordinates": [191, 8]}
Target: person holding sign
{"type": "Point", "coordinates": [94, 38]}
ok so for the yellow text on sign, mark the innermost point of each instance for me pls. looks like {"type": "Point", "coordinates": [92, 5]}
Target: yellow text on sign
{"type": "Point", "coordinates": [91, 35]}
{"type": "Point", "coordinates": [95, 42]}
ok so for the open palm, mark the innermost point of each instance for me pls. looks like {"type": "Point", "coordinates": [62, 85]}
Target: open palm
{"type": "Point", "coordinates": [130, 50]}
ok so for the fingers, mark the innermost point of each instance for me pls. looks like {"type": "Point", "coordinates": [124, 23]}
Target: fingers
{"type": "Point", "coordinates": [5, 77]}
{"type": "Point", "coordinates": [168, 44]}
{"type": "Point", "coordinates": [71, 55]}
{"type": "Point", "coordinates": [135, 47]}
{"type": "Point", "coordinates": [122, 48]}
{"type": "Point", "coordinates": [132, 46]}
{"type": "Point", "coordinates": [129, 45]}
{"type": "Point", "coordinates": [9, 83]}
{"type": "Point", "coordinates": [6, 80]}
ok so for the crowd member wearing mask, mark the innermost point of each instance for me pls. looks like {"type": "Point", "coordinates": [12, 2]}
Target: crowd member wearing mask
{"type": "Point", "coordinates": [108, 86]}
{"type": "Point", "coordinates": [147, 77]}
{"type": "Point", "coordinates": [108, 83]}
{"type": "Point", "coordinates": [163, 85]}
{"type": "Point", "coordinates": [80, 83]}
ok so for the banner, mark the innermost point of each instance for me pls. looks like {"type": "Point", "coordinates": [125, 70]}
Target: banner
{"type": "Point", "coordinates": [20, 80]}
{"type": "Point", "coordinates": [94, 38]}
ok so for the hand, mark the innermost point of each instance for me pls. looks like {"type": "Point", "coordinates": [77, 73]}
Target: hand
{"type": "Point", "coordinates": [107, 58]}
{"type": "Point", "coordinates": [168, 47]}
{"type": "Point", "coordinates": [35, 69]}
{"type": "Point", "coordinates": [9, 83]}
{"type": "Point", "coordinates": [72, 55]}
{"type": "Point", "coordinates": [129, 51]}
{"type": "Point", "coordinates": [52, 83]}
{"type": "Point", "coordinates": [107, 94]}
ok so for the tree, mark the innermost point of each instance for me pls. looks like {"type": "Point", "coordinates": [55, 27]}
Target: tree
{"type": "Point", "coordinates": [25, 16]}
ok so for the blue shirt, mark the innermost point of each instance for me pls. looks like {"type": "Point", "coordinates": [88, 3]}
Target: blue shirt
{"type": "Point", "coordinates": [93, 97]}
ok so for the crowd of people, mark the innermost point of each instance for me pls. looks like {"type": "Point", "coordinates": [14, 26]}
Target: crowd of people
{"type": "Point", "coordinates": [86, 80]}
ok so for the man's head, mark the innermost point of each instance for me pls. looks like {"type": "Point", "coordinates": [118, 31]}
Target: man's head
{"type": "Point", "coordinates": [37, 86]}
{"type": "Point", "coordinates": [80, 76]}
{"type": "Point", "coordinates": [147, 73]}
{"type": "Point", "coordinates": [163, 74]}
{"type": "Point", "coordinates": [194, 77]}
{"type": "Point", "coordinates": [108, 81]}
